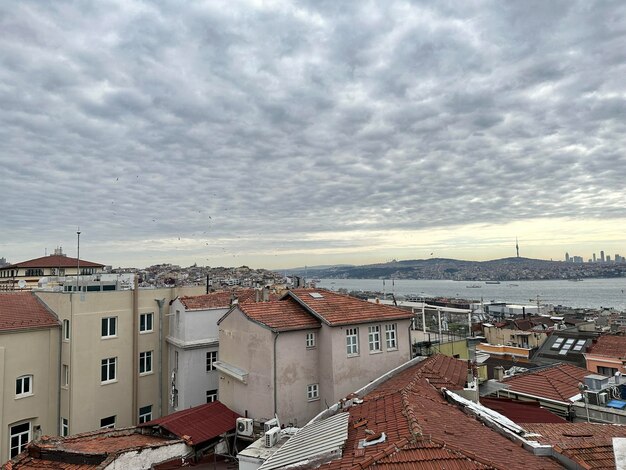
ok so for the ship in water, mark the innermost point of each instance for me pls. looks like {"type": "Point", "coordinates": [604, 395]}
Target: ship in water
{"type": "Point", "coordinates": [492, 282]}
{"type": "Point", "coordinates": [473, 286]}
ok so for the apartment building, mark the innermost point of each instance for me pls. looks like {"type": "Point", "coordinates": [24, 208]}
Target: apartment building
{"type": "Point", "coordinates": [29, 373]}
{"type": "Point", "coordinates": [192, 345]}
{"type": "Point", "coordinates": [58, 267]}
{"type": "Point", "coordinates": [112, 356]}
{"type": "Point", "coordinates": [292, 357]}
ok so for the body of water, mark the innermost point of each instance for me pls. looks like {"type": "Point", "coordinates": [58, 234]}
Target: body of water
{"type": "Point", "coordinates": [589, 293]}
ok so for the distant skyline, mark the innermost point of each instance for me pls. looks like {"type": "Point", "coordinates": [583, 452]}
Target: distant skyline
{"type": "Point", "coordinates": [279, 134]}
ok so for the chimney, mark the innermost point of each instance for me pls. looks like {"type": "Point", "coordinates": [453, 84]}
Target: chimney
{"type": "Point", "coordinates": [266, 294]}
{"type": "Point", "coordinates": [257, 295]}
{"type": "Point", "coordinates": [498, 373]}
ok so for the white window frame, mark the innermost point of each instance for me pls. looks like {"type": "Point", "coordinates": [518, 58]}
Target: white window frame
{"type": "Point", "coordinates": [145, 414]}
{"type": "Point", "coordinates": [145, 317]}
{"type": "Point", "coordinates": [352, 342]}
{"type": "Point", "coordinates": [391, 336]}
{"type": "Point", "coordinates": [373, 335]}
{"type": "Point", "coordinates": [65, 427]}
{"type": "Point", "coordinates": [310, 340]}
{"type": "Point", "coordinates": [108, 426]}
{"type": "Point", "coordinates": [211, 359]}
{"type": "Point", "coordinates": [25, 384]}
{"type": "Point", "coordinates": [108, 321]}
{"type": "Point", "coordinates": [211, 395]}
{"type": "Point", "coordinates": [65, 376]}
{"type": "Point", "coordinates": [66, 330]}
{"type": "Point", "coordinates": [313, 392]}
{"type": "Point", "coordinates": [145, 363]}
{"type": "Point", "coordinates": [111, 363]}
{"type": "Point", "coordinates": [15, 450]}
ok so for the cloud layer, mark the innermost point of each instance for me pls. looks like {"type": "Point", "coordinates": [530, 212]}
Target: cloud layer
{"type": "Point", "coordinates": [211, 130]}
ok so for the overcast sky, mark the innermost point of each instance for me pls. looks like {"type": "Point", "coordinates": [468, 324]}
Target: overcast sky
{"type": "Point", "coordinates": [278, 134]}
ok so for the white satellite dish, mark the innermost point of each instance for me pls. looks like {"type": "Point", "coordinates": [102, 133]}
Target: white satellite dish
{"type": "Point", "coordinates": [21, 284]}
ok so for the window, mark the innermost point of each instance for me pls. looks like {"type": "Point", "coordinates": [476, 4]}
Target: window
{"type": "Point", "coordinates": [211, 358]}
{"type": "Point", "coordinates": [65, 427]}
{"type": "Point", "coordinates": [107, 423]}
{"type": "Point", "coordinates": [145, 414]}
{"type": "Point", "coordinates": [579, 345]}
{"type": "Point", "coordinates": [390, 336]}
{"type": "Point", "coordinates": [145, 322]}
{"type": "Point", "coordinates": [352, 341]}
{"type": "Point", "coordinates": [177, 318]}
{"type": "Point", "coordinates": [66, 330]}
{"type": "Point", "coordinates": [65, 375]}
{"type": "Point", "coordinates": [211, 396]}
{"type": "Point", "coordinates": [108, 370]}
{"type": "Point", "coordinates": [145, 362]}
{"type": "Point", "coordinates": [310, 340]}
{"type": "Point", "coordinates": [24, 386]}
{"type": "Point", "coordinates": [312, 392]}
{"type": "Point", "coordinates": [176, 360]}
{"type": "Point", "coordinates": [557, 343]}
{"type": "Point", "coordinates": [19, 437]}
{"type": "Point", "coordinates": [109, 327]}
{"type": "Point", "coordinates": [374, 338]}
{"type": "Point", "coordinates": [607, 371]}
{"type": "Point", "coordinates": [34, 272]}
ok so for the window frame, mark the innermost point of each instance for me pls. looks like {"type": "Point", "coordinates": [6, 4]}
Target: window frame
{"type": "Point", "coordinates": [20, 445]}
{"type": "Point", "coordinates": [210, 362]}
{"type": "Point", "coordinates": [352, 342]}
{"type": "Point", "coordinates": [145, 414]}
{"type": "Point", "coordinates": [313, 392]}
{"type": "Point", "coordinates": [24, 379]}
{"type": "Point", "coordinates": [66, 330]}
{"type": "Point", "coordinates": [310, 340]}
{"type": "Point", "coordinates": [65, 375]}
{"type": "Point", "coordinates": [108, 321]}
{"type": "Point", "coordinates": [111, 361]}
{"type": "Point", "coordinates": [145, 363]}
{"type": "Point", "coordinates": [108, 426]}
{"type": "Point", "coordinates": [373, 339]}
{"type": "Point", "coordinates": [391, 336]}
{"type": "Point", "coordinates": [65, 427]}
{"type": "Point", "coordinates": [144, 330]}
{"type": "Point", "coordinates": [212, 395]}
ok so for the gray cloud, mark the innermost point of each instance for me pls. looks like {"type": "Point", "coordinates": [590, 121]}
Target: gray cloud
{"type": "Point", "coordinates": [213, 121]}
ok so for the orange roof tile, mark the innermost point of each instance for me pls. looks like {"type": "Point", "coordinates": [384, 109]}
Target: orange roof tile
{"type": "Point", "coordinates": [215, 299]}
{"type": "Point", "coordinates": [22, 310]}
{"type": "Point", "coordinates": [339, 309]}
{"type": "Point", "coordinates": [558, 382]}
{"type": "Point", "coordinates": [609, 346]}
{"type": "Point", "coordinates": [588, 444]}
{"type": "Point", "coordinates": [54, 261]}
{"type": "Point", "coordinates": [424, 431]}
{"type": "Point", "coordinates": [280, 315]}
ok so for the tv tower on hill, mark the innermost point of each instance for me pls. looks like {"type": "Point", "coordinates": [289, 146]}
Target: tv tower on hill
{"type": "Point", "coordinates": [517, 247]}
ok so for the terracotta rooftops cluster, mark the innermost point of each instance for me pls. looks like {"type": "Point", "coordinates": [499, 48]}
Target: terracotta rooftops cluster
{"type": "Point", "coordinates": [223, 299]}
{"type": "Point", "coordinates": [406, 423]}
{"type": "Point", "coordinates": [609, 346]}
{"type": "Point", "coordinates": [54, 261]}
{"type": "Point", "coordinates": [280, 315]}
{"type": "Point", "coordinates": [22, 310]}
{"type": "Point", "coordinates": [558, 382]}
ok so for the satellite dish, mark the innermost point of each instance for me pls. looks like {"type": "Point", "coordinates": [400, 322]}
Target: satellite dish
{"type": "Point", "coordinates": [21, 284]}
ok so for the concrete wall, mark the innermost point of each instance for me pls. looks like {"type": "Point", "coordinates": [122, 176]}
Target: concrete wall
{"type": "Point", "coordinates": [495, 335]}
{"type": "Point", "coordinates": [248, 346]}
{"type": "Point", "coordinates": [146, 458]}
{"type": "Point", "coordinates": [33, 352]}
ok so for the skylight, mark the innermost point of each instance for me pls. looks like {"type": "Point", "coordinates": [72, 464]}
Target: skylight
{"type": "Point", "coordinates": [316, 295]}
{"type": "Point", "coordinates": [557, 343]}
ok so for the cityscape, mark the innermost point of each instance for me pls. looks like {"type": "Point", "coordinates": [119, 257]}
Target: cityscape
{"type": "Point", "coordinates": [293, 234]}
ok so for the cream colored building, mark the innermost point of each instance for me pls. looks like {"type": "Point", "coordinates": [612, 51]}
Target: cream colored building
{"type": "Point", "coordinates": [294, 356]}
{"type": "Point", "coordinates": [113, 361]}
{"type": "Point", "coordinates": [29, 372]}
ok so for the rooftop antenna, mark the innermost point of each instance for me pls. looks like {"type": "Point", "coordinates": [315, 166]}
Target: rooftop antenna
{"type": "Point", "coordinates": [517, 247]}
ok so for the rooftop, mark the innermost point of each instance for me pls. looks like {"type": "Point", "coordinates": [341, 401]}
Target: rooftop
{"type": "Point", "coordinates": [280, 315]}
{"type": "Point", "coordinates": [54, 261]}
{"type": "Point", "coordinates": [215, 299]}
{"type": "Point", "coordinates": [558, 382]}
{"type": "Point", "coordinates": [338, 309]}
{"type": "Point", "coordinates": [521, 411]}
{"type": "Point", "coordinates": [609, 346]}
{"type": "Point", "coordinates": [22, 310]}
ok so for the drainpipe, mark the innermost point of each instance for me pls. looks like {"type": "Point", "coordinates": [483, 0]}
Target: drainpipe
{"type": "Point", "coordinates": [410, 344]}
{"type": "Point", "coordinates": [135, 397]}
{"type": "Point", "coordinates": [275, 371]}
{"type": "Point", "coordinates": [59, 377]}
{"type": "Point", "coordinates": [160, 303]}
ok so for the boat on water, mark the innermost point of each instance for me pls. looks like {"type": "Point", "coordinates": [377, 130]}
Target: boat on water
{"type": "Point", "coordinates": [492, 282]}
{"type": "Point", "coordinates": [474, 286]}
{"type": "Point", "coordinates": [513, 285]}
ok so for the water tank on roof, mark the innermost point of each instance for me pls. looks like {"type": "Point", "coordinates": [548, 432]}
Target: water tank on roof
{"type": "Point", "coordinates": [596, 382]}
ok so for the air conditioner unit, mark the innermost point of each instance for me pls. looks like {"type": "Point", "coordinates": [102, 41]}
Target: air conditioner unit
{"type": "Point", "coordinates": [245, 426]}
{"type": "Point", "coordinates": [271, 423]}
{"type": "Point", "coordinates": [271, 437]}
{"type": "Point", "coordinates": [602, 398]}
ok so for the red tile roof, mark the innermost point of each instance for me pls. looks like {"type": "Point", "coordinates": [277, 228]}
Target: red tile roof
{"type": "Point", "coordinates": [198, 424]}
{"type": "Point", "coordinates": [609, 346]}
{"type": "Point", "coordinates": [280, 315]}
{"type": "Point", "coordinates": [54, 261]}
{"type": "Point", "coordinates": [338, 309]}
{"type": "Point", "coordinates": [424, 431]}
{"type": "Point", "coordinates": [521, 411]}
{"type": "Point", "coordinates": [23, 310]}
{"type": "Point", "coordinates": [215, 299]}
{"type": "Point", "coordinates": [93, 449]}
{"type": "Point", "coordinates": [588, 444]}
{"type": "Point", "coordinates": [558, 382]}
